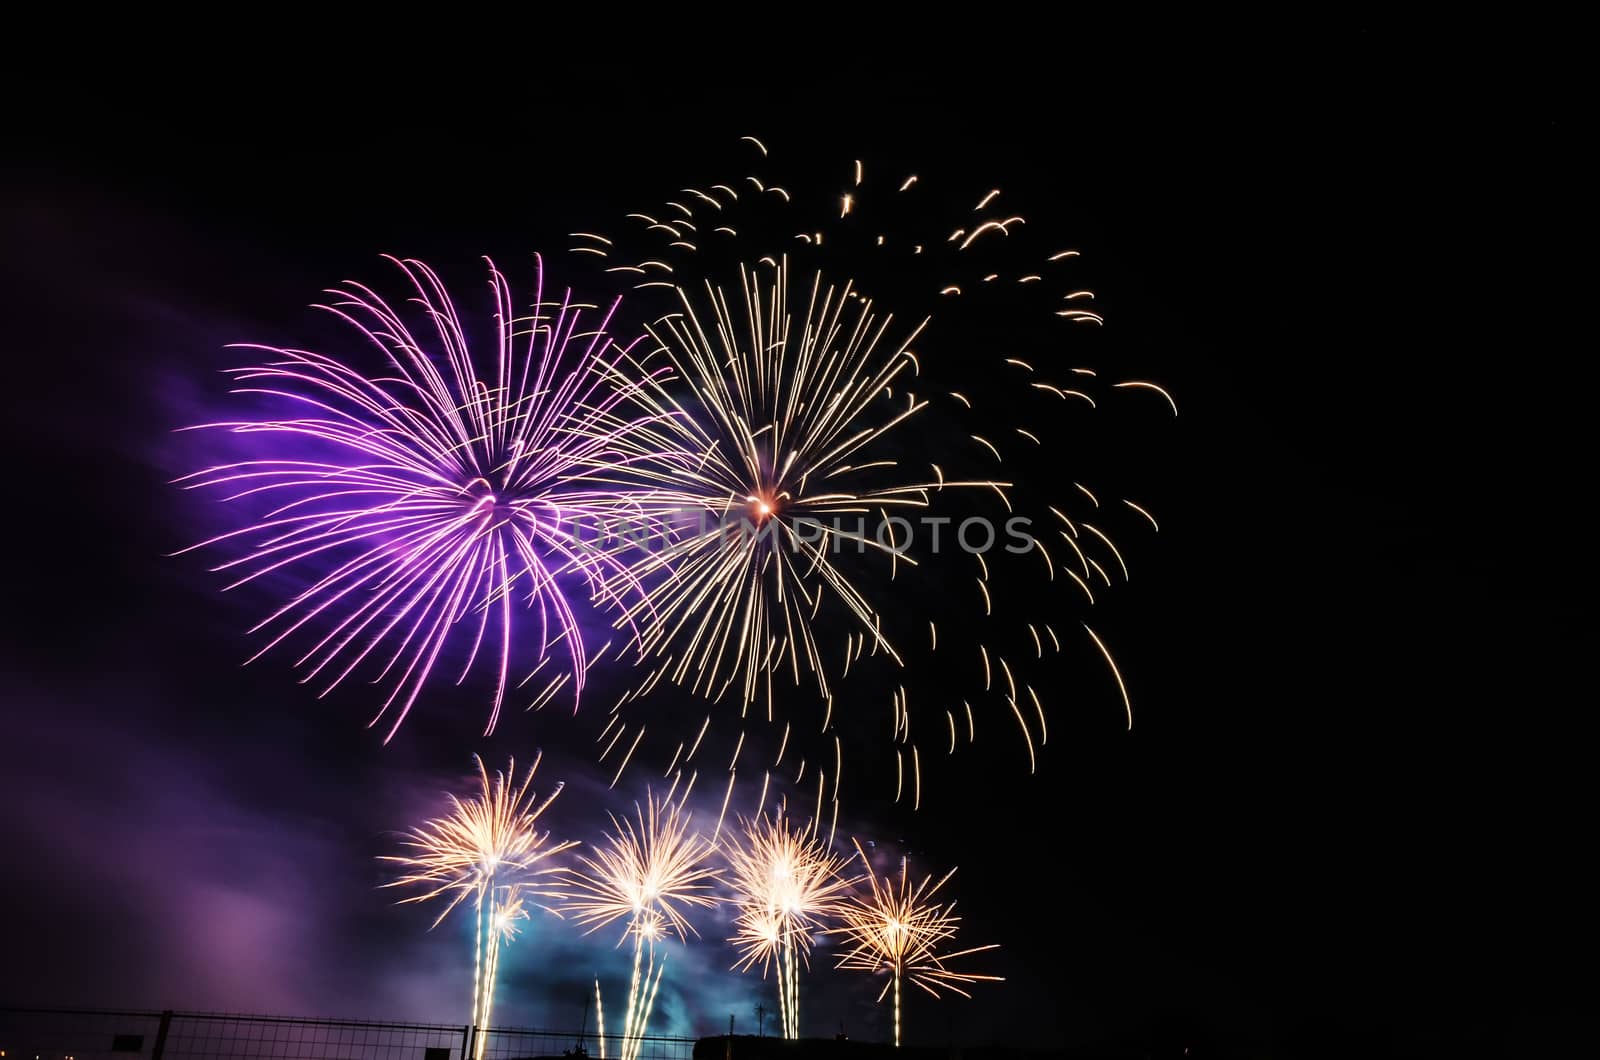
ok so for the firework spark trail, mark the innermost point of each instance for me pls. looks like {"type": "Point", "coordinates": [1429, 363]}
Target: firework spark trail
{"type": "Point", "coordinates": [881, 227]}
{"type": "Point", "coordinates": [488, 848]}
{"type": "Point", "coordinates": [899, 928]}
{"type": "Point", "coordinates": [651, 869]}
{"type": "Point", "coordinates": [504, 912]}
{"type": "Point", "coordinates": [445, 492]}
{"type": "Point", "coordinates": [788, 885]}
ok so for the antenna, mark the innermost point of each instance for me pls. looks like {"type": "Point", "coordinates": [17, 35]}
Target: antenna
{"type": "Point", "coordinates": [583, 1028]}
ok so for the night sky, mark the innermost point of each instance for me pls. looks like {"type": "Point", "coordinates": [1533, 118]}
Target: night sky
{"type": "Point", "coordinates": [1347, 818]}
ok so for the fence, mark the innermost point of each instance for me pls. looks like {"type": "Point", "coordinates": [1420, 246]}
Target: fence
{"type": "Point", "coordinates": [106, 1034]}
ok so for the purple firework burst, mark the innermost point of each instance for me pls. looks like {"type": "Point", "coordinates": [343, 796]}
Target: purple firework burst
{"type": "Point", "coordinates": [442, 497]}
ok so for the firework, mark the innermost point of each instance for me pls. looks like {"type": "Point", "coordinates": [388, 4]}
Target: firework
{"type": "Point", "coordinates": [900, 929]}
{"type": "Point", "coordinates": [789, 885]}
{"type": "Point", "coordinates": [488, 849]}
{"type": "Point", "coordinates": [439, 497]}
{"type": "Point", "coordinates": [651, 870]}
{"type": "Point", "coordinates": [774, 456]}
{"type": "Point", "coordinates": [1007, 397]}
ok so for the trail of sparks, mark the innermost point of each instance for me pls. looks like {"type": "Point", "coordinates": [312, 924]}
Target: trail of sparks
{"type": "Point", "coordinates": [1127, 703]}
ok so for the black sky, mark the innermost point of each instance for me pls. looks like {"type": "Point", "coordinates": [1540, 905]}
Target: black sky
{"type": "Point", "coordinates": [1348, 820]}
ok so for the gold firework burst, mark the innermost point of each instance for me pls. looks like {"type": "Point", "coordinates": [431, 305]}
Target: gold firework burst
{"type": "Point", "coordinates": [765, 475]}
{"type": "Point", "coordinates": [651, 869]}
{"type": "Point", "coordinates": [789, 885]}
{"type": "Point", "coordinates": [899, 928]}
{"type": "Point", "coordinates": [489, 848]}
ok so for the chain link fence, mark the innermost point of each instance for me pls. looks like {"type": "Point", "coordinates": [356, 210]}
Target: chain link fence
{"type": "Point", "coordinates": [108, 1034]}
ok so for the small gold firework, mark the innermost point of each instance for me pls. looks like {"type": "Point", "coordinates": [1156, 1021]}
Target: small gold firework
{"type": "Point", "coordinates": [488, 848]}
{"type": "Point", "coordinates": [651, 869]}
{"type": "Point", "coordinates": [899, 928]}
{"type": "Point", "coordinates": [789, 885]}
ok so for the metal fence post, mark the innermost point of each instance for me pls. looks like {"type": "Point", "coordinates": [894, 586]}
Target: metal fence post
{"type": "Point", "coordinates": [466, 1043]}
{"type": "Point", "coordinates": [161, 1035]}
